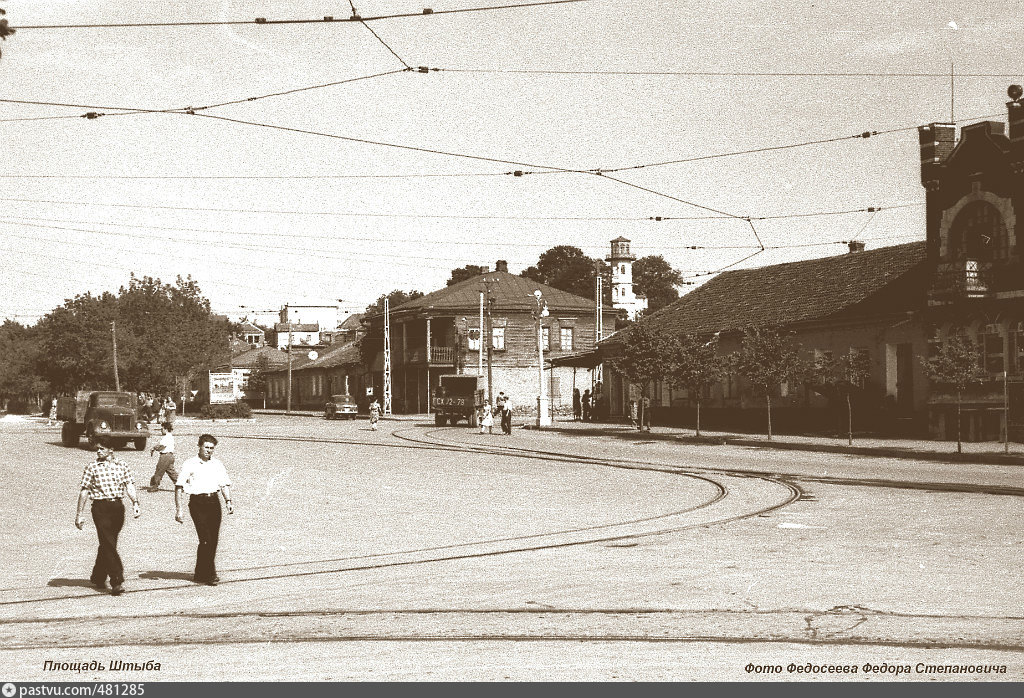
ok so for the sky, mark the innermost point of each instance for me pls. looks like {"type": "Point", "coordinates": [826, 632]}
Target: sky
{"type": "Point", "coordinates": [304, 198]}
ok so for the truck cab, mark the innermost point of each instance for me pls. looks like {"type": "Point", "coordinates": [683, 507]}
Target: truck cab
{"type": "Point", "coordinates": [102, 414]}
{"type": "Point", "coordinates": [458, 397]}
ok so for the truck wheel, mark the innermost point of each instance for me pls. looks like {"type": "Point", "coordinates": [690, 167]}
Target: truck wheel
{"type": "Point", "coordinates": [69, 435]}
{"type": "Point", "coordinates": [140, 444]}
{"type": "Point", "coordinates": [440, 419]}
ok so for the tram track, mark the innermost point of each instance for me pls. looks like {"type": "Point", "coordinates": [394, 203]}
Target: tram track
{"type": "Point", "coordinates": [662, 524]}
{"type": "Point", "coordinates": [845, 626]}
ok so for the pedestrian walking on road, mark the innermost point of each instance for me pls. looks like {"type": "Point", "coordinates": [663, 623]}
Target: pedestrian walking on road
{"type": "Point", "coordinates": [53, 413]}
{"type": "Point", "coordinates": [374, 414]}
{"type": "Point", "coordinates": [506, 416]}
{"type": "Point", "coordinates": [106, 481]}
{"type": "Point", "coordinates": [165, 464]}
{"type": "Point", "coordinates": [645, 413]}
{"type": "Point", "coordinates": [202, 477]}
{"type": "Point", "coordinates": [577, 405]}
{"type": "Point", "coordinates": [585, 400]}
{"type": "Point", "coordinates": [487, 419]}
{"type": "Point", "coordinates": [170, 410]}
{"type": "Point", "coordinates": [632, 414]}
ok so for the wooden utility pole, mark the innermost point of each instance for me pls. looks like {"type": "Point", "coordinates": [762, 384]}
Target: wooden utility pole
{"type": "Point", "coordinates": [113, 336]}
{"type": "Point", "coordinates": [288, 402]}
{"type": "Point", "coordinates": [489, 338]}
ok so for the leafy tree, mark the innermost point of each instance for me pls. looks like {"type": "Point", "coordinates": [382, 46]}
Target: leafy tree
{"type": "Point", "coordinates": [466, 272]}
{"type": "Point", "coordinates": [18, 378]}
{"type": "Point", "coordinates": [695, 365]}
{"type": "Point", "coordinates": [844, 376]}
{"type": "Point", "coordinates": [257, 385]}
{"type": "Point", "coordinates": [395, 299]}
{"type": "Point", "coordinates": [5, 29]}
{"type": "Point", "coordinates": [165, 335]}
{"type": "Point", "coordinates": [655, 279]}
{"type": "Point", "coordinates": [767, 359]}
{"type": "Point", "coordinates": [645, 356]}
{"type": "Point", "coordinates": [567, 268]}
{"type": "Point", "coordinates": [957, 364]}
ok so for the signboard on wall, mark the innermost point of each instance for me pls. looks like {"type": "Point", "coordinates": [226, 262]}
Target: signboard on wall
{"type": "Point", "coordinates": [224, 387]}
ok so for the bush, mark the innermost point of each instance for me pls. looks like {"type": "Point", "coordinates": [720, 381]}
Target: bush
{"type": "Point", "coordinates": [228, 410]}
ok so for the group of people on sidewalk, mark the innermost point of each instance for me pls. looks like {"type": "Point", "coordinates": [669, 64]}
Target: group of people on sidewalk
{"type": "Point", "coordinates": [502, 410]}
{"type": "Point", "coordinates": [107, 480]}
{"type": "Point", "coordinates": [590, 406]}
{"type": "Point", "coordinates": [157, 408]}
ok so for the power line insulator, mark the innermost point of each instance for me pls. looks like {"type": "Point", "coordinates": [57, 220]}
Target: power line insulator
{"type": "Point", "coordinates": [866, 134]}
{"type": "Point", "coordinates": [423, 69]}
{"type": "Point", "coordinates": [517, 173]}
{"type": "Point", "coordinates": [873, 209]}
{"type": "Point", "coordinates": [328, 18]}
{"type": "Point", "coordinates": [90, 115]}
{"type": "Point", "coordinates": [261, 20]}
{"type": "Point", "coordinates": [355, 17]}
{"type": "Point", "coordinates": [427, 11]}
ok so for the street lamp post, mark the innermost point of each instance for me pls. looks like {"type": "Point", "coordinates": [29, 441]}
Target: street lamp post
{"type": "Point", "coordinates": [543, 406]}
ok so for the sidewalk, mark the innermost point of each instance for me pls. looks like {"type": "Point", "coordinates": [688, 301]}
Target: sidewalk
{"type": "Point", "coordinates": [986, 452]}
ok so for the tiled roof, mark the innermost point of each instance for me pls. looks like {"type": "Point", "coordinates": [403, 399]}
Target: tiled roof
{"type": "Point", "coordinates": [352, 322]}
{"type": "Point", "coordinates": [248, 328]}
{"type": "Point", "coordinates": [787, 293]}
{"type": "Point", "coordinates": [510, 292]}
{"type": "Point", "coordinates": [341, 355]}
{"type": "Point", "coordinates": [275, 358]}
{"type": "Point", "coordinates": [298, 327]}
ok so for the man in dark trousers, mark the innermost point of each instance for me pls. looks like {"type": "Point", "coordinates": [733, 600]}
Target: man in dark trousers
{"type": "Point", "coordinates": [202, 477]}
{"type": "Point", "coordinates": [106, 481]}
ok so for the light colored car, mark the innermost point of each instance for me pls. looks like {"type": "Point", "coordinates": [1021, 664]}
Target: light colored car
{"type": "Point", "coordinates": [341, 406]}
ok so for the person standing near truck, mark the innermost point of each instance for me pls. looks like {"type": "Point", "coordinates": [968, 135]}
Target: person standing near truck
{"type": "Point", "coordinates": [106, 481]}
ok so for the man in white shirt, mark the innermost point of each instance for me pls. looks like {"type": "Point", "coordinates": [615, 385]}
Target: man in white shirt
{"type": "Point", "coordinates": [165, 464]}
{"type": "Point", "coordinates": [202, 477]}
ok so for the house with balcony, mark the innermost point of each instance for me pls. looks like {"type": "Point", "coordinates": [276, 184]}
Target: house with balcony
{"type": "Point", "coordinates": [441, 333]}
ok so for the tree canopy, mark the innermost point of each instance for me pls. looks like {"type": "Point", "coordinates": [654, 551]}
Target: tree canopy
{"type": "Point", "coordinates": [567, 268]}
{"type": "Point", "coordinates": [655, 279]}
{"type": "Point", "coordinates": [165, 334]}
{"type": "Point", "coordinates": [395, 299]}
{"type": "Point", "coordinates": [466, 272]}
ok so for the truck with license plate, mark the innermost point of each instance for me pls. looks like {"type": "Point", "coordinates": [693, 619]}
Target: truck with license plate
{"type": "Point", "coordinates": [458, 397]}
{"type": "Point", "coordinates": [102, 414]}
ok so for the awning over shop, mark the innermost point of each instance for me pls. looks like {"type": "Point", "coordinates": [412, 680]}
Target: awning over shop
{"type": "Point", "coordinates": [579, 359]}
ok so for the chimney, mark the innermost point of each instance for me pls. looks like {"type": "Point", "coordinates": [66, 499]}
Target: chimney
{"type": "Point", "coordinates": [937, 141]}
{"type": "Point", "coordinates": [855, 246]}
{"type": "Point", "coordinates": [501, 265]}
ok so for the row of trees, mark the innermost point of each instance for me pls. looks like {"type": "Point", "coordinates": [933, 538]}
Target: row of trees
{"type": "Point", "coordinates": [567, 268]}
{"type": "Point", "coordinates": [769, 358]}
{"type": "Point", "coordinates": [165, 334]}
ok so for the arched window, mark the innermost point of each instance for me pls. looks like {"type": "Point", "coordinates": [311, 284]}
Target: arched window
{"type": "Point", "coordinates": [978, 233]}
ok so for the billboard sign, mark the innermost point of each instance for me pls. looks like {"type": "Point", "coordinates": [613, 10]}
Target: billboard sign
{"type": "Point", "coordinates": [224, 387]}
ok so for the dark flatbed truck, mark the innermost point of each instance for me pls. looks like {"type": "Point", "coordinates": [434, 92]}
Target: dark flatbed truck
{"type": "Point", "coordinates": [97, 414]}
{"type": "Point", "coordinates": [458, 397]}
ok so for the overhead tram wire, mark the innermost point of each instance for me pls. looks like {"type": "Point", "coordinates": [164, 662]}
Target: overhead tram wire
{"type": "Point", "coordinates": [269, 22]}
{"type": "Point", "coordinates": [428, 216]}
{"type": "Point", "coordinates": [714, 73]}
{"type": "Point", "coordinates": [187, 109]}
{"type": "Point", "coordinates": [21, 220]}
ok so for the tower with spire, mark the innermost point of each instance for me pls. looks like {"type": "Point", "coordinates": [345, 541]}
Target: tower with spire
{"type": "Point", "coordinates": [623, 296]}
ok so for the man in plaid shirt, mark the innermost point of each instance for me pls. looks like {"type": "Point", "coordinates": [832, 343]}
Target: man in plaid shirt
{"type": "Point", "coordinates": [106, 481]}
